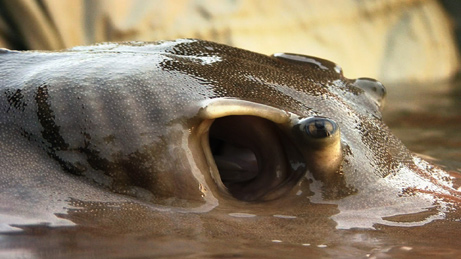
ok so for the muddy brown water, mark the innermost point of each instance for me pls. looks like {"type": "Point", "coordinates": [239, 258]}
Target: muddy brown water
{"type": "Point", "coordinates": [426, 118]}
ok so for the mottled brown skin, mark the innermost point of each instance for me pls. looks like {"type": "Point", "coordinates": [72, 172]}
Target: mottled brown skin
{"type": "Point", "coordinates": [114, 139]}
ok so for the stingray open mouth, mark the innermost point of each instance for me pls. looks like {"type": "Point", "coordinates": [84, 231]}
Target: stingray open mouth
{"type": "Point", "coordinates": [252, 158]}
{"type": "Point", "coordinates": [257, 152]}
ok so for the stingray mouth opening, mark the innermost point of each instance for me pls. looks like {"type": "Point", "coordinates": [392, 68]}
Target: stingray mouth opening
{"type": "Point", "coordinates": [251, 158]}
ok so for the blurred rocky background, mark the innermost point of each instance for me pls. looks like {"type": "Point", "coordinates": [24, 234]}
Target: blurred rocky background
{"type": "Point", "coordinates": [391, 40]}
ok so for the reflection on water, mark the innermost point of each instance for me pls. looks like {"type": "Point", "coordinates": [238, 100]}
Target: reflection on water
{"type": "Point", "coordinates": [425, 117]}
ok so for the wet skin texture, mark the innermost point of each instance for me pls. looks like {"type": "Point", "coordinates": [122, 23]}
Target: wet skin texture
{"type": "Point", "coordinates": [192, 143]}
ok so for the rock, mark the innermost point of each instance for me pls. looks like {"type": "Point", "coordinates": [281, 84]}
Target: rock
{"type": "Point", "coordinates": [393, 40]}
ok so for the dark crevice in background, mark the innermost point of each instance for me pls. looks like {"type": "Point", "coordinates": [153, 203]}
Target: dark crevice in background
{"type": "Point", "coordinates": [453, 8]}
{"type": "Point", "coordinates": [13, 34]}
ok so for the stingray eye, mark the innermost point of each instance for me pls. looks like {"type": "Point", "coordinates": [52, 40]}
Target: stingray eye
{"type": "Point", "coordinates": [320, 143]}
{"type": "Point", "coordinates": [319, 127]}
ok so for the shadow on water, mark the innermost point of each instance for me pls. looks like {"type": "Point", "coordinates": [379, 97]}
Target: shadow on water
{"type": "Point", "coordinates": [425, 117]}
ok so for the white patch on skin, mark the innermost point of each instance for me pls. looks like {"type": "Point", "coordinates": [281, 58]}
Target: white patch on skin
{"type": "Point", "coordinates": [241, 215]}
{"type": "Point", "coordinates": [278, 172]}
{"type": "Point", "coordinates": [205, 60]}
{"type": "Point", "coordinates": [128, 47]}
{"type": "Point", "coordinates": [296, 165]}
{"type": "Point", "coordinates": [284, 216]}
{"type": "Point", "coordinates": [302, 59]}
{"type": "Point", "coordinates": [313, 61]}
{"type": "Point", "coordinates": [338, 69]}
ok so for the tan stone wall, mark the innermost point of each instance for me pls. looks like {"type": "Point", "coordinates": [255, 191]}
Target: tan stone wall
{"type": "Point", "coordinates": [391, 40]}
